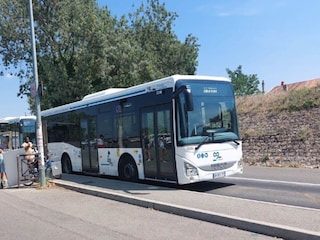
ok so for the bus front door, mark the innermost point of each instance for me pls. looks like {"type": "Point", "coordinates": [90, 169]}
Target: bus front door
{"type": "Point", "coordinates": [157, 143]}
{"type": "Point", "coordinates": [89, 150]}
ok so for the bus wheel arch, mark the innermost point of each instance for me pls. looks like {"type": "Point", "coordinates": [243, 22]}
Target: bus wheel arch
{"type": "Point", "coordinates": [127, 168]}
{"type": "Point", "coordinates": [66, 163]}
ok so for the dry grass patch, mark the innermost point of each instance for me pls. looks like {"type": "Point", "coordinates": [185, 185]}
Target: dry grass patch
{"type": "Point", "coordinates": [295, 100]}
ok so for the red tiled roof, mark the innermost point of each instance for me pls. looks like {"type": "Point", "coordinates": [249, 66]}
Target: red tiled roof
{"type": "Point", "coordinates": [295, 86]}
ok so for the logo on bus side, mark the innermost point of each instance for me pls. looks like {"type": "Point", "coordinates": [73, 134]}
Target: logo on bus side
{"type": "Point", "coordinates": [216, 156]}
{"type": "Point", "coordinates": [202, 155]}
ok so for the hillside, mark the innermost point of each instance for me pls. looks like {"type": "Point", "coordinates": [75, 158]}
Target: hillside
{"type": "Point", "coordinates": [281, 129]}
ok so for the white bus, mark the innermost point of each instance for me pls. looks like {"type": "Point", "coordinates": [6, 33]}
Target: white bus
{"type": "Point", "coordinates": [179, 129]}
{"type": "Point", "coordinates": [13, 131]}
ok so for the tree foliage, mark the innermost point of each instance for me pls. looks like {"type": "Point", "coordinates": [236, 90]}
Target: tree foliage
{"type": "Point", "coordinates": [82, 48]}
{"type": "Point", "coordinates": [243, 84]}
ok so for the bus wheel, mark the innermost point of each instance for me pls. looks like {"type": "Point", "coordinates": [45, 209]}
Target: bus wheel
{"type": "Point", "coordinates": [66, 164]}
{"type": "Point", "coordinates": [128, 171]}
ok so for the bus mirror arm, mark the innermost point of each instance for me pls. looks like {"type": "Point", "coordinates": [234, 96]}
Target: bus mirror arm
{"type": "Point", "coordinates": [186, 90]}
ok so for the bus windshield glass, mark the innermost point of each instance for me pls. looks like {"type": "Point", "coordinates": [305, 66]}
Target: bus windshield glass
{"type": "Point", "coordinates": [13, 131]}
{"type": "Point", "coordinates": [213, 117]}
{"type": "Point", "coordinates": [28, 128]}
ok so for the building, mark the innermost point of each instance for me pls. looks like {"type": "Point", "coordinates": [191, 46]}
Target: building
{"type": "Point", "coordinates": [296, 86]}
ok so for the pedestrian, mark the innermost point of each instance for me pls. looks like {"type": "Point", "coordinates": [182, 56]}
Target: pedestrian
{"type": "Point", "coordinates": [163, 149]}
{"type": "Point", "coordinates": [3, 174]}
{"type": "Point", "coordinates": [100, 141]}
{"type": "Point", "coordinates": [146, 144]}
{"type": "Point", "coordinates": [28, 149]}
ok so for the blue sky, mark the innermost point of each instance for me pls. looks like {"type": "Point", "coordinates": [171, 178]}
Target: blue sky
{"type": "Point", "coordinates": [279, 40]}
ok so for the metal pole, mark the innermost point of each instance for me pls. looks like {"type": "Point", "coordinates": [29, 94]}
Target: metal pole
{"type": "Point", "coordinates": [38, 108]}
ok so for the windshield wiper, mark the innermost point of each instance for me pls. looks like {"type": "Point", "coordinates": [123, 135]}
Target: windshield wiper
{"type": "Point", "coordinates": [216, 141]}
{"type": "Point", "coordinates": [235, 141]}
{"type": "Point", "coordinates": [211, 132]}
{"type": "Point", "coordinates": [230, 139]}
{"type": "Point", "coordinates": [202, 142]}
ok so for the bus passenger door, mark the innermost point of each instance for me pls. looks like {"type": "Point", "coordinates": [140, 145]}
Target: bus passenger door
{"type": "Point", "coordinates": [158, 154]}
{"type": "Point", "coordinates": [89, 150]}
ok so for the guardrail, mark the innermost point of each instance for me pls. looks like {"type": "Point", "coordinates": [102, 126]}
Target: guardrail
{"type": "Point", "coordinates": [26, 167]}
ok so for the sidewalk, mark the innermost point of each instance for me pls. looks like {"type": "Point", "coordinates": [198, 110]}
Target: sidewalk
{"type": "Point", "coordinates": [276, 220]}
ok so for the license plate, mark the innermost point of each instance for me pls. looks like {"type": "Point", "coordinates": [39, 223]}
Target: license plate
{"type": "Point", "coordinates": [219, 174]}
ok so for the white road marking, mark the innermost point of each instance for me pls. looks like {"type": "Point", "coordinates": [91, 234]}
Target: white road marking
{"type": "Point", "coordinates": [275, 181]}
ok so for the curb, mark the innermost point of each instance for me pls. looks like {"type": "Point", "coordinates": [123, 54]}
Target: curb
{"type": "Point", "coordinates": [265, 228]}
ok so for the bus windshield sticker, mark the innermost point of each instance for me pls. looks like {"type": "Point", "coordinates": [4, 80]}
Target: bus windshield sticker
{"type": "Point", "coordinates": [210, 90]}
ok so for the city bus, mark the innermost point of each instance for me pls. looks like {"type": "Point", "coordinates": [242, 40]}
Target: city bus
{"type": "Point", "coordinates": [13, 131]}
{"type": "Point", "coordinates": [179, 129]}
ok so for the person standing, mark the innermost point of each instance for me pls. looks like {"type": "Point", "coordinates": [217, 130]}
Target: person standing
{"type": "Point", "coordinates": [146, 144]}
{"type": "Point", "coordinates": [3, 174]}
{"type": "Point", "coordinates": [163, 149]}
{"type": "Point", "coordinates": [28, 149]}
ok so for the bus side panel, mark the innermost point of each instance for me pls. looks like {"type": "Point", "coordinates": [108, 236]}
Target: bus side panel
{"type": "Point", "coordinates": [109, 160]}
{"type": "Point", "coordinates": [57, 149]}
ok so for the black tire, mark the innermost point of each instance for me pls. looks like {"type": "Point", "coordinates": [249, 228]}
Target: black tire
{"type": "Point", "coordinates": [28, 183]}
{"type": "Point", "coordinates": [28, 179]}
{"type": "Point", "coordinates": [66, 164]}
{"type": "Point", "coordinates": [128, 171]}
{"type": "Point", "coordinates": [57, 176]}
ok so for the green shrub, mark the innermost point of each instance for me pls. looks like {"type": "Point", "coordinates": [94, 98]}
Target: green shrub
{"type": "Point", "coordinates": [301, 99]}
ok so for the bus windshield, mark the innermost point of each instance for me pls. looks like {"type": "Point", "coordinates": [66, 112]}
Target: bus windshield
{"type": "Point", "coordinates": [13, 130]}
{"type": "Point", "coordinates": [213, 116]}
{"type": "Point", "coordinates": [28, 128]}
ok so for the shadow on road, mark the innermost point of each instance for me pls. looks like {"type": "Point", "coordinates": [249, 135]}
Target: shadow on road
{"type": "Point", "coordinates": [205, 186]}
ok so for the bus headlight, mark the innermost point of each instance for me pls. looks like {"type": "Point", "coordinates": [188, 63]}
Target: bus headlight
{"type": "Point", "coordinates": [190, 169]}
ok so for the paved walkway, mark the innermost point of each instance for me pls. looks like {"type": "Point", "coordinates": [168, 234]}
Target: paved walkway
{"type": "Point", "coordinates": [276, 220]}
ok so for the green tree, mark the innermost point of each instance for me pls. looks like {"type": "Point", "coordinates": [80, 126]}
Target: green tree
{"type": "Point", "coordinates": [82, 49]}
{"type": "Point", "coordinates": [147, 48]}
{"type": "Point", "coordinates": [243, 84]}
{"type": "Point", "coordinates": [66, 46]}
{"type": "Point", "coordinates": [162, 53]}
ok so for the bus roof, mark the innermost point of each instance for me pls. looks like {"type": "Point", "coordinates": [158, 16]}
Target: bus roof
{"type": "Point", "coordinates": [10, 120]}
{"type": "Point", "coordinates": [113, 94]}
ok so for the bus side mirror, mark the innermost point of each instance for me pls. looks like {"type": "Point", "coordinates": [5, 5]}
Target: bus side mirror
{"type": "Point", "coordinates": [186, 91]}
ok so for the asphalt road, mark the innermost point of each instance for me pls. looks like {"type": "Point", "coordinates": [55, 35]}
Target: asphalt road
{"type": "Point", "coordinates": [292, 186]}
{"type": "Point", "coordinates": [57, 213]}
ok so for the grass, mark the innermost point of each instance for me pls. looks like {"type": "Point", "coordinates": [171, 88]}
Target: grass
{"type": "Point", "coordinates": [295, 100]}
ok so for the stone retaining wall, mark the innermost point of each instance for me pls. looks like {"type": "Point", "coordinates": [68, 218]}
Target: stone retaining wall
{"type": "Point", "coordinates": [281, 139]}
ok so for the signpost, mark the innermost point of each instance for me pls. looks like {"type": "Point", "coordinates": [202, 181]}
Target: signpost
{"type": "Point", "coordinates": [37, 98]}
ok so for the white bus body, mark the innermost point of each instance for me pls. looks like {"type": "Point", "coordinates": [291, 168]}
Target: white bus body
{"type": "Point", "coordinates": [180, 129]}
{"type": "Point", "coordinates": [13, 130]}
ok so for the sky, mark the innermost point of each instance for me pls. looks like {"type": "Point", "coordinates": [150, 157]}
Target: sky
{"type": "Point", "coordinates": [278, 40]}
